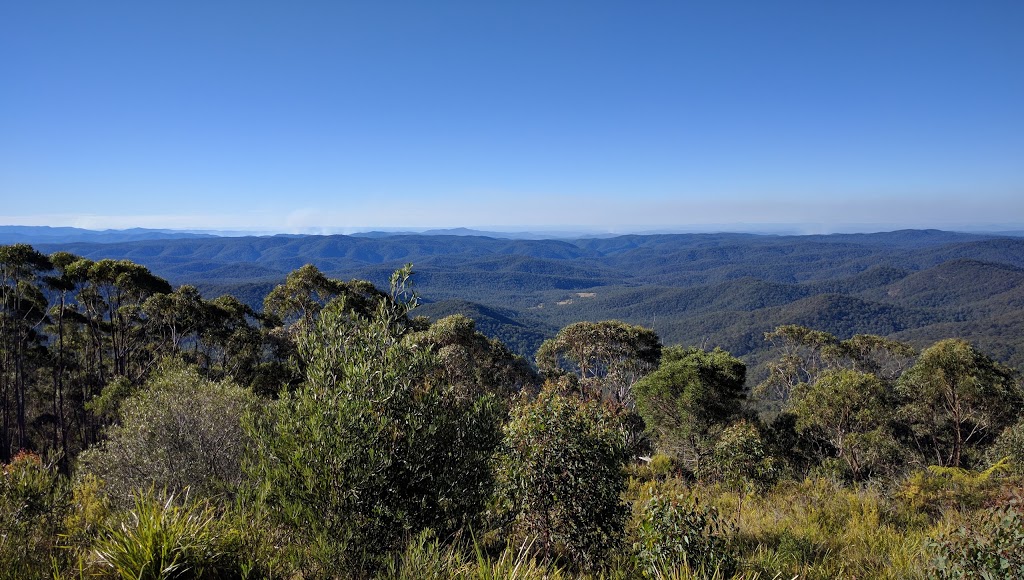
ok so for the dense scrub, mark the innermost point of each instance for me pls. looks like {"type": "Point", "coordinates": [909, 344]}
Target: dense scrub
{"type": "Point", "coordinates": [151, 433]}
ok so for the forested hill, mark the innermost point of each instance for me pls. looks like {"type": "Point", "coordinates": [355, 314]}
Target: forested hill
{"type": "Point", "coordinates": [712, 289]}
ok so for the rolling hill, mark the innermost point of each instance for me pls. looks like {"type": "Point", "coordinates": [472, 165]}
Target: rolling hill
{"type": "Point", "coordinates": [712, 289]}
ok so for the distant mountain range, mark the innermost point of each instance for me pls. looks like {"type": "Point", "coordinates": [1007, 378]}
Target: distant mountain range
{"type": "Point", "coordinates": [61, 235]}
{"type": "Point", "coordinates": [64, 235]}
{"type": "Point", "coordinates": [711, 289]}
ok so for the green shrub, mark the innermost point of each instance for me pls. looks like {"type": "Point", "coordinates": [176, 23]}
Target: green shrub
{"type": "Point", "coordinates": [674, 531]}
{"type": "Point", "coordinates": [689, 398]}
{"type": "Point", "coordinates": [560, 478]}
{"type": "Point", "coordinates": [181, 431]}
{"type": "Point", "coordinates": [89, 512]}
{"type": "Point", "coordinates": [1010, 445]}
{"type": "Point", "coordinates": [989, 545]}
{"type": "Point", "coordinates": [372, 447]}
{"type": "Point", "coordinates": [33, 503]}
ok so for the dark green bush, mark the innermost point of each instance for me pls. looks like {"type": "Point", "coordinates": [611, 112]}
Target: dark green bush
{"type": "Point", "coordinates": [560, 478]}
{"type": "Point", "coordinates": [676, 532]}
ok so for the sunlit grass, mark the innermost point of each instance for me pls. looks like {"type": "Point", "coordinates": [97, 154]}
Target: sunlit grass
{"type": "Point", "coordinates": [161, 537]}
{"type": "Point", "coordinates": [819, 529]}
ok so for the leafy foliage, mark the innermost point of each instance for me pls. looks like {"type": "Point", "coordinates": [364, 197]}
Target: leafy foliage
{"type": "Point", "coordinates": [307, 290]}
{"type": "Point", "coordinates": [740, 460]}
{"type": "Point", "coordinates": [852, 411]}
{"type": "Point", "coordinates": [608, 357]}
{"type": "Point", "coordinates": [369, 447]}
{"type": "Point", "coordinates": [937, 489]}
{"type": "Point", "coordinates": [989, 545]}
{"type": "Point", "coordinates": [806, 353]}
{"type": "Point", "coordinates": [956, 398]}
{"type": "Point", "coordinates": [1010, 445]}
{"type": "Point", "coordinates": [181, 432]}
{"type": "Point", "coordinates": [690, 396]}
{"type": "Point", "coordinates": [33, 504]}
{"type": "Point", "coordinates": [674, 532]}
{"type": "Point", "coordinates": [472, 363]}
{"type": "Point", "coordinates": [560, 476]}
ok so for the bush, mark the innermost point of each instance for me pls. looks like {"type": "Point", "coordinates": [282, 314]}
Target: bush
{"type": "Point", "coordinates": [675, 532]}
{"type": "Point", "coordinates": [369, 449]}
{"type": "Point", "coordinates": [33, 503]}
{"type": "Point", "coordinates": [560, 478]}
{"type": "Point", "coordinates": [89, 512]}
{"type": "Point", "coordinates": [989, 545]}
{"type": "Point", "coordinates": [740, 460]}
{"type": "Point", "coordinates": [181, 431]}
{"type": "Point", "coordinates": [1010, 444]}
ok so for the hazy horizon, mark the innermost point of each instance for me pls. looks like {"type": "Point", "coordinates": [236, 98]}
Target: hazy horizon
{"type": "Point", "coordinates": [556, 231]}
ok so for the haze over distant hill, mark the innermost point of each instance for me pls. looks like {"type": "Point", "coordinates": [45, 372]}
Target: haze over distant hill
{"type": "Point", "coordinates": [10, 234]}
{"type": "Point", "coordinates": [62, 235]}
{"type": "Point", "coordinates": [723, 289]}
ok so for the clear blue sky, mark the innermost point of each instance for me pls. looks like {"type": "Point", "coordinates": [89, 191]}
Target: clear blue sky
{"type": "Point", "coordinates": [606, 115]}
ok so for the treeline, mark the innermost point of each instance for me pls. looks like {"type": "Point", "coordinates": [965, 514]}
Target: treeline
{"type": "Point", "coordinates": [79, 335]}
{"type": "Point", "coordinates": [150, 433]}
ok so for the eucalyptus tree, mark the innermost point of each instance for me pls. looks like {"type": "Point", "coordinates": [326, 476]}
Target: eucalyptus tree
{"type": "Point", "coordinates": [107, 340]}
{"type": "Point", "coordinates": [293, 307]}
{"type": "Point", "coordinates": [883, 357]}
{"type": "Point", "coordinates": [303, 294]}
{"type": "Point", "coordinates": [233, 345]}
{"type": "Point", "coordinates": [955, 399]}
{"type": "Point", "coordinates": [23, 310]}
{"type": "Point", "coordinates": [472, 362]}
{"type": "Point", "coordinates": [174, 318]}
{"type": "Point", "coordinates": [691, 396]}
{"type": "Point", "coordinates": [806, 353]}
{"type": "Point", "coordinates": [307, 290]}
{"type": "Point", "coordinates": [64, 318]}
{"type": "Point", "coordinates": [853, 412]}
{"type": "Point", "coordinates": [607, 357]}
{"type": "Point", "coordinates": [112, 299]}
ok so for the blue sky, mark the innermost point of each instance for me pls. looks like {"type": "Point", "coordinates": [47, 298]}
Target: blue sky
{"type": "Point", "coordinates": [610, 116]}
